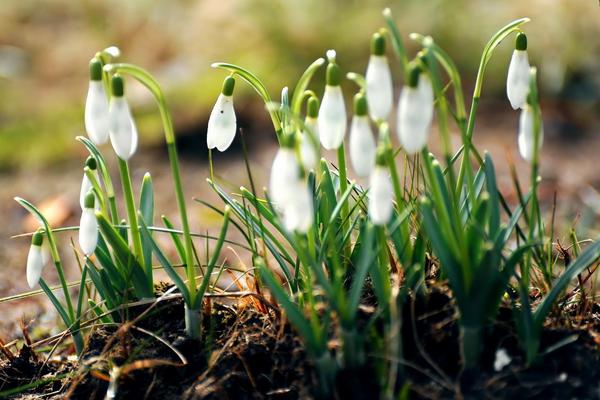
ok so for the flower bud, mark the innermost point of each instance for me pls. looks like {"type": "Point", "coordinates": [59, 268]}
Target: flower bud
{"type": "Point", "coordinates": [222, 122]}
{"type": "Point", "coordinates": [415, 111]}
{"type": "Point", "coordinates": [285, 169]}
{"type": "Point", "coordinates": [332, 114]}
{"type": "Point", "coordinates": [35, 261]}
{"type": "Point", "coordinates": [96, 106]}
{"type": "Point", "coordinates": [88, 226]}
{"type": "Point", "coordinates": [362, 142]}
{"type": "Point", "coordinates": [381, 193]}
{"type": "Point", "coordinates": [123, 132]}
{"type": "Point", "coordinates": [517, 81]}
{"type": "Point", "coordinates": [526, 135]}
{"type": "Point", "coordinates": [379, 86]}
{"type": "Point", "coordinates": [86, 184]}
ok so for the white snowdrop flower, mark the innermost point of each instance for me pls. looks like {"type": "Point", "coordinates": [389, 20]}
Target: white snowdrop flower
{"type": "Point", "coordinates": [298, 211]}
{"type": "Point", "coordinates": [222, 122]}
{"type": "Point", "coordinates": [501, 360]}
{"type": "Point", "coordinates": [96, 106]}
{"type": "Point", "coordinates": [415, 112]}
{"type": "Point", "coordinates": [285, 170]}
{"type": "Point", "coordinates": [517, 82]}
{"type": "Point", "coordinates": [35, 260]}
{"type": "Point", "coordinates": [308, 153]}
{"type": "Point", "coordinates": [332, 114]}
{"type": "Point", "coordinates": [123, 132]}
{"type": "Point", "coordinates": [86, 184]}
{"type": "Point", "coordinates": [381, 193]}
{"type": "Point", "coordinates": [526, 136]}
{"type": "Point", "coordinates": [380, 90]}
{"type": "Point", "coordinates": [362, 142]}
{"type": "Point", "coordinates": [88, 226]}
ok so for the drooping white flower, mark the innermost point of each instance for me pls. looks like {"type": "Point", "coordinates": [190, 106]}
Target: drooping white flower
{"type": "Point", "coordinates": [415, 112]}
{"type": "Point", "coordinates": [35, 260]}
{"type": "Point", "coordinates": [381, 193]}
{"type": "Point", "coordinates": [96, 106]}
{"type": "Point", "coordinates": [123, 132]}
{"type": "Point", "coordinates": [501, 360]}
{"type": "Point", "coordinates": [86, 184]}
{"type": "Point", "coordinates": [88, 226]}
{"type": "Point", "coordinates": [332, 114]}
{"type": "Point", "coordinates": [298, 212]}
{"type": "Point", "coordinates": [308, 153]}
{"type": "Point", "coordinates": [285, 170]}
{"type": "Point", "coordinates": [526, 136]}
{"type": "Point", "coordinates": [517, 81]}
{"type": "Point", "coordinates": [222, 121]}
{"type": "Point", "coordinates": [379, 81]}
{"type": "Point", "coordinates": [362, 142]}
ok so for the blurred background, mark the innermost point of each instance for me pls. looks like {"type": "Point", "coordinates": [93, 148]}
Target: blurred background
{"type": "Point", "coordinates": [45, 47]}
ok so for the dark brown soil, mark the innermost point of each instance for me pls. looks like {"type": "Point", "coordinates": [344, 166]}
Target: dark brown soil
{"type": "Point", "coordinates": [252, 355]}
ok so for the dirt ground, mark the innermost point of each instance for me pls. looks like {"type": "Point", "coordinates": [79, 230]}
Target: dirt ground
{"type": "Point", "coordinates": [569, 167]}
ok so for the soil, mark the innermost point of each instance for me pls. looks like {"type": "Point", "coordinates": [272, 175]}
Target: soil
{"type": "Point", "coordinates": [249, 354]}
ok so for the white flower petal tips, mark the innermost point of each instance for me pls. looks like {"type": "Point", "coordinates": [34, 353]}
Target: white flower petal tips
{"type": "Point", "coordinates": [415, 112]}
{"type": "Point", "coordinates": [222, 123]}
{"type": "Point", "coordinates": [526, 136]}
{"type": "Point", "coordinates": [88, 227]}
{"type": "Point", "coordinates": [517, 81]}
{"type": "Point", "coordinates": [35, 260]}
{"type": "Point", "coordinates": [381, 196]}
{"type": "Point", "coordinates": [298, 212]}
{"type": "Point", "coordinates": [362, 142]}
{"type": "Point", "coordinates": [379, 88]}
{"type": "Point", "coordinates": [284, 171]}
{"type": "Point", "coordinates": [123, 132]}
{"type": "Point", "coordinates": [96, 113]}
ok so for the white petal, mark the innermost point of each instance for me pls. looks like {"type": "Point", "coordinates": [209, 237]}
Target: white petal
{"type": "Point", "coordinates": [123, 133]}
{"type": "Point", "coordinates": [88, 231]}
{"type": "Point", "coordinates": [381, 196]}
{"type": "Point", "coordinates": [425, 90]}
{"type": "Point", "coordinates": [526, 137]}
{"type": "Point", "coordinates": [415, 110]}
{"type": "Point", "coordinates": [517, 81]}
{"type": "Point", "coordinates": [501, 360]}
{"type": "Point", "coordinates": [308, 153]}
{"type": "Point", "coordinates": [35, 265]}
{"type": "Point", "coordinates": [332, 118]}
{"type": "Point", "coordinates": [284, 171]}
{"type": "Point", "coordinates": [96, 113]}
{"type": "Point", "coordinates": [298, 211]}
{"type": "Point", "coordinates": [221, 124]}
{"type": "Point", "coordinates": [379, 88]}
{"type": "Point", "coordinates": [362, 146]}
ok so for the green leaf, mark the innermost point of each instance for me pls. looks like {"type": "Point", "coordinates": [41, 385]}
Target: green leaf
{"type": "Point", "coordinates": [303, 83]}
{"type": "Point", "coordinates": [175, 238]}
{"type": "Point", "coordinates": [365, 261]}
{"type": "Point", "coordinates": [147, 215]}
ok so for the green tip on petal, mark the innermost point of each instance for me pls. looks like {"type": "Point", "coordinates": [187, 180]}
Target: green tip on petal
{"type": "Point", "coordinates": [521, 41]}
{"type": "Point", "coordinates": [95, 69]}
{"type": "Point", "coordinates": [228, 85]}
{"type": "Point", "coordinates": [288, 140]}
{"type": "Point", "coordinates": [90, 200]}
{"type": "Point", "coordinates": [378, 44]}
{"type": "Point", "coordinates": [312, 107]}
{"type": "Point", "coordinates": [37, 239]}
{"type": "Point", "coordinates": [91, 163]}
{"type": "Point", "coordinates": [117, 86]}
{"type": "Point", "coordinates": [360, 104]}
{"type": "Point", "coordinates": [381, 156]}
{"type": "Point", "coordinates": [334, 75]}
{"type": "Point", "coordinates": [413, 75]}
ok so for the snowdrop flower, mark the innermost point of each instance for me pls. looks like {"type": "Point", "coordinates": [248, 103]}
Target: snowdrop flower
{"type": "Point", "coordinates": [35, 260]}
{"type": "Point", "coordinates": [362, 142]}
{"type": "Point", "coordinates": [332, 114]}
{"type": "Point", "coordinates": [381, 194]}
{"type": "Point", "coordinates": [298, 211]}
{"type": "Point", "coordinates": [501, 360]}
{"type": "Point", "coordinates": [222, 122]}
{"type": "Point", "coordinates": [285, 170]}
{"type": "Point", "coordinates": [88, 226]}
{"type": "Point", "coordinates": [86, 184]}
{"type": "Point", "coordinates": [123, 132]}
{"type": "Point", "coordinates": [96, 106]}
{"type": "Point", "coordinates": [517, 82]}
{"type": "Point", "coordinates": [308, 153]}
{"type": "Point", "coordinates": [526, 136]}
{"type": "Point", "coordinates": [415, 111]}
{"type": "Point", "coordinates": [379, 81]}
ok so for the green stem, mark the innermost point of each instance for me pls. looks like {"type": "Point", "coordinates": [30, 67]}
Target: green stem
{"type": "Point", "coordinates": [131, 210]}
{"type": "Point", "coordinates": [193, 323]}
{"type": "Point", "coordinates": [470, 345]}
{"type": "Point", "coordinates": [343, 186]}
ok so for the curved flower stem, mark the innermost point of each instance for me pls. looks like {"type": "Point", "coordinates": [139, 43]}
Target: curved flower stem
{"type": "Point", "coordinates": [131, 210]}
{"type": "Point", "coordinates": [147, 80]}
